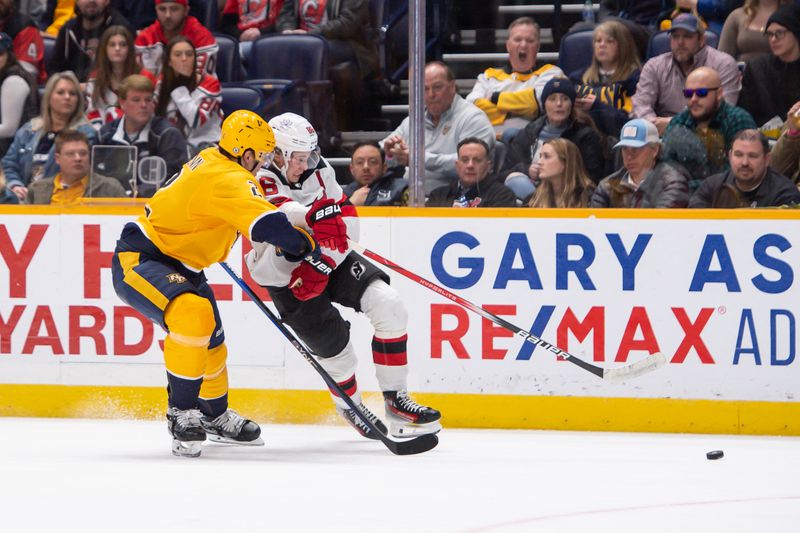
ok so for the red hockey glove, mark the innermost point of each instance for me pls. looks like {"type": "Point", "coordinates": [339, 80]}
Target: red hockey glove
{"type": "Point", "coordinates": [310, 278]}
{"type": "Point", "coordinates": [325, 220]}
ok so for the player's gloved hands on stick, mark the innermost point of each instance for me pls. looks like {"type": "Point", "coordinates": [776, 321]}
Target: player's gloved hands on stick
{"type": "Point", "coordinates": [325, 220]}
{"type": "Point", "coordinates": [310, 278]}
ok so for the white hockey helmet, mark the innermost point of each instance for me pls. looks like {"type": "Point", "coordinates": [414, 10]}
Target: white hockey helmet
{"type": "Point", "coordinates": [294, 133]}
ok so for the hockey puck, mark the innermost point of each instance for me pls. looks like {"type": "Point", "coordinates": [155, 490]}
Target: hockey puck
{"type": "Point", "coordinates": [715, 454]}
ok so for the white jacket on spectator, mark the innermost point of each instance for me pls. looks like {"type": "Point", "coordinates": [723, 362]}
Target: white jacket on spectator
{"type": "Point", "coordinates": [461, 120]}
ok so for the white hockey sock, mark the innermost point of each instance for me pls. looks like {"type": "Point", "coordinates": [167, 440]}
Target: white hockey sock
{"type": "Point", "coordinates": [385, 309]}
{"type": "Point", "coordinates": [342, 368]}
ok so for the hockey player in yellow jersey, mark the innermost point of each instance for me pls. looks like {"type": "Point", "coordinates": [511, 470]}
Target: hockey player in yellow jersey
{"type": "Point", "coordinates": [157, 268]}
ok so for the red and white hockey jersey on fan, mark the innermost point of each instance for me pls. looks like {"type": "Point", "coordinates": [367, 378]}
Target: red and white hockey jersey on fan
{"type": "Point", "coordinates": [259, 14]}
{"type": "Point", "coordinates": [197, 113]}
{"type": "Point", "coordinates": [266, 266]}
{"type": "Point", "coordinates": [151, 42]}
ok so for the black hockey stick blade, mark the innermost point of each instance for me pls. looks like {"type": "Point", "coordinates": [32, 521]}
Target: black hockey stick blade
{"type": "Point", "coordinates": [610, 374]}
{"type": "Point", "coordinates": [413, 446]}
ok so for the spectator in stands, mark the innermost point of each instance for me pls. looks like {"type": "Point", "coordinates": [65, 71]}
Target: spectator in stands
{"type": "Point", "coordinates": [713, 12]}
{"type": "Point", "coordinates": [141, 13]}
{"type": "Point", "coordinates": [19, 99]}
{"type": "Point", "coordinates": [563, 181]}
{"type": "Point", "coordinates": [57, 13]}
{"type": "Point", "coordinates": [77, 41]}
{"type": "Point", "coordinates": [188, 98]}
{"type": "Point", "coordinates": [562, 119]}
{"type": "Point", "coordinates": [374, 183]}
{"type": "Point", "coordinates": [73, 182]}
{"type": "Point", "coordinates": [474, 186]}
{"type": "Point", "coordinates": [28, 44]}
{"type": "Point", "coordinates": [743, 33]}
{"type": "Point", "coordinates": [708, 116]}
{"type": "Point", "coordinates": [341, 23]}
{"type": "Point", "coordinates": [659, 94]}
{"type": "Point", "coordinates": [139, 127]}
{"type": "Point", "coordinates": [771, 82]}
{"type": "Point", "coordinates": [644, 181]}
{"type": "Point", "coordinates": [448, 119]}
{"type": "Point", "coordinates": [505, 94]}
{"type": "Point", "coordinates": [248, 20]}
{"type": "Point", "coordinates": [749, 182]}
{"type": "Point", "coordinates": [606, 87]}
{"type": "Point", "coordinates": [786, 153]}
{"type": "Point", "coordinates": [31, 156]}
{"type": "Point", "coordinates": [173, 20]}
{"type": "Point", "coordinates": [352, 57]}
{"type": "Point", "coordinates": [6, 196]}
{"type": "Point", "coordinates": [36, 10]}
{"type": "Point", "coordinates": [640, 17]}
{"type": "Point", "coordinates": [116, 60]}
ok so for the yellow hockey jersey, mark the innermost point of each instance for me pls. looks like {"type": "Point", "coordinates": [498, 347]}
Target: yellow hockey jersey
{"type": "Point", "coordinates": [198, 215]}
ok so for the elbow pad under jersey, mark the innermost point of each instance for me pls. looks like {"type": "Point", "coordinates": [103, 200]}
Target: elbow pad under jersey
{"type": "Point", "coordinates": [274, 228]}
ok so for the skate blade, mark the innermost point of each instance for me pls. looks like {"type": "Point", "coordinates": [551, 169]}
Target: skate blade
{"type": "Point", "coordinates": [186, 448]}
{"type": "Point", "coordinates": [225, 440]}
{"type": "Point", "coordinates": [404, 430]}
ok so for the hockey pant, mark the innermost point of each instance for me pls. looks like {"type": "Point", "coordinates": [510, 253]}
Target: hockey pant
{"type": "Point", "coordinates": [362, 286]}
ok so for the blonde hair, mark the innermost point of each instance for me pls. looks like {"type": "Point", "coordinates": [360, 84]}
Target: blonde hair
{"type": "Point", "coordinates": [627, 55]}
{"type": "Point", "coordinates": [45, 119]}
{"type": "Point", "coordinates": [577, 187]}
{"type": "Point", "coordinates": [750, 8]}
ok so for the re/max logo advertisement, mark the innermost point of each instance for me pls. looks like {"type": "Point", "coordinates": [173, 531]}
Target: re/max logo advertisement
{"type": "Point", "coordinates": [569, 267]}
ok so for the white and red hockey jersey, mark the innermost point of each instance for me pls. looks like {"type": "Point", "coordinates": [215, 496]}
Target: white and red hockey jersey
{"type": "Point", "coordinates": [200, 110]}
{"type": "Point", "coordinates": [151, 42]}
{"type": "Point", "coordinates": [259, 14]}
{"type": "Point", "coordinates": [266, 266]}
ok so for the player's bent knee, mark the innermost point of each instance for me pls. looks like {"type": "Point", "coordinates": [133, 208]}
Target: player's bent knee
{"type": "Point", "coordinates": [385, 308]}
{"type": "Point", "coordinates": [190, 319]}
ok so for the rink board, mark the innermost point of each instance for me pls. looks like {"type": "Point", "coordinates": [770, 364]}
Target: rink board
{"type": "Point", "coordinates": [714, 291]}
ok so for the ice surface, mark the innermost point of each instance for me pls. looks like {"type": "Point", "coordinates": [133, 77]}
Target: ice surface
{"type": "Point", "coordinates": [62, 475]}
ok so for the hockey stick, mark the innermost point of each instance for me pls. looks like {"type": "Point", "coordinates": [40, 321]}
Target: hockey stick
{"type": "Point", "coordinates": [420, 444]}
{"type": "Point", "coordinates": [610, 374]}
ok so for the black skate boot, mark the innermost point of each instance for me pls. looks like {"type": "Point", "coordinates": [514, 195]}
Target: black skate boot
{"type": "Point", "coordinates": [358, 425]}
{"type": "Point", "coordinates": [407, 418]}
{"type": "Point", "coordinates": [231, 428]}
{"type": "Point", "coordinates": [187, 434]}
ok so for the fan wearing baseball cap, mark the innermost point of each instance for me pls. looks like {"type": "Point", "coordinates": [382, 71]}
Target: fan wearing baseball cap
{"type": "Point", "coordinates": [644, 180]}
{"type": "Point", "coordinates": [659, 95]}
{"type": "Point", "coordinates": [173, 19]}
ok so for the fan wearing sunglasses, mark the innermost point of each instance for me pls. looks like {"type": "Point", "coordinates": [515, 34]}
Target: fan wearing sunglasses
{"type": "Point", "coordinates": [708, 116]}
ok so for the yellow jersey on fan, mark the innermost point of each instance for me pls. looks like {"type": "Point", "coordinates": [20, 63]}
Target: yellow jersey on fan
{"type": "Point", "coordinates": [197, 216]}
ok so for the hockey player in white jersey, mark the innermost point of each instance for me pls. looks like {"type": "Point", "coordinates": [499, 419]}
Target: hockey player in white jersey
{"type": "Point", "coordinates": [303, 185]}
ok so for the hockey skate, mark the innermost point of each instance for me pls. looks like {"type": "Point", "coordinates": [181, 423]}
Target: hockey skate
{"type": "Point", "coordinates": [407, 418]}
{"type": "Point", "coordinates": [358, 425]}
{"type": "Point", "coordinates": [232, 428]}
{"type": "Point", "coordinates": [187, 433]}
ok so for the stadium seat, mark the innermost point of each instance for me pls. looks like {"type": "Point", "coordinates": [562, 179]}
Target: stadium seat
{"type": "Point", "coordinates": [49, 47]}
{"type": "Point", "coordinates": [575, 52]}
{"type": "Point", "coordinates": [205, 11]}
{"type": "Point", "coordinates": [659, 43]}
{"type": "Point", "coordinates": [292, 73]}
{"type": "Point", "coordinates": [229, 64]}
{"type": "Point", "coordinates": [241, 97]}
